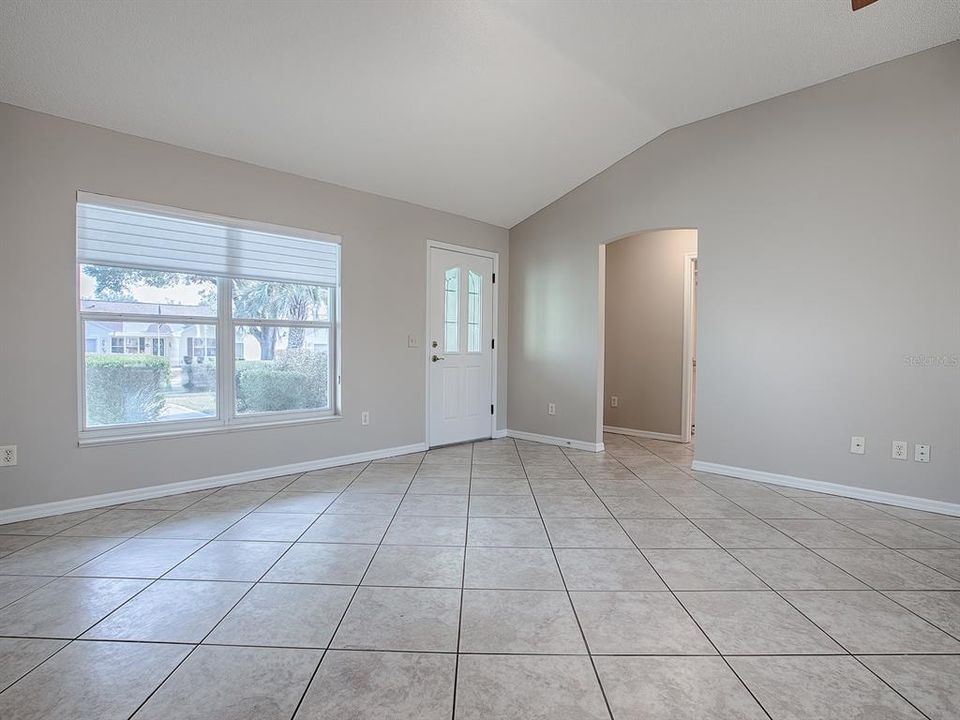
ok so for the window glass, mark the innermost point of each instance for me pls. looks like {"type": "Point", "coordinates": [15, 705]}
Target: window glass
{"type": "Point", "coordinates": [451, 310]}
{"type": "Point", "coordinates": [122, 291]}
{"type": "Point", "coordinates": [158, 286]}
{"type": "Point", "coordinates": [258, 300]}
{"type": "Point", "coordinates": [279, 369]}
{"type": "Point", "coordinates": [473, 311]}
{"type": "Point", "coordinates": [142, 372]}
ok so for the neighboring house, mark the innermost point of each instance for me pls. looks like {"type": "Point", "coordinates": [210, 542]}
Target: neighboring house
{"type": "Point", "coordinates": [175, 341]}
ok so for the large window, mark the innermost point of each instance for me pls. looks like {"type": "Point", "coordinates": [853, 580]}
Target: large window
{"type": "Point", "coordinates": [158, 287]}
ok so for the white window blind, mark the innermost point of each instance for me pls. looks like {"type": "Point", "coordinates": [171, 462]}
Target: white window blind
{"type": "Point", "coordinates": [133, 235]}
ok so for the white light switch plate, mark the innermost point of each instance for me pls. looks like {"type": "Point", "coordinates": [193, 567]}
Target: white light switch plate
{"type": "Point", "coordinates": [858, 445]}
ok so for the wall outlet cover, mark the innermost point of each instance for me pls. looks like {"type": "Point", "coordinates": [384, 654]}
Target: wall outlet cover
{"type": "Point", "coordinates": [614, 401]}
{"type": "Point", "coordinates": [8, 455]}
{"type": "Point", "coordinates": [921, 453]}
{"type": "Point", "coordinates": [898, 450]}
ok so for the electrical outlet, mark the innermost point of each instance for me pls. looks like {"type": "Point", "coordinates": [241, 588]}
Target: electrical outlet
{"type": "Point", "coordinates": [921, 453]}
{"type": "Point", "coordinates": [8, 455]}
{"type": "Point", "coordinates": [858, 445]}
{"type": "Point", "coordinates": [551, 408]}
{"type": "Point", "coordinates": [614, 401]}
{"type": "Point", "coordinates": [899, 450]}
{"type": "Point", "coordinates": [365, 417]}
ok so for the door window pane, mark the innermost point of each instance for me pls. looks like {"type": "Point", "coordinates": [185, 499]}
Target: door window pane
{"type": "Point", "coordinates": [281, 368]}
{"type": "Point", "coordinates": [473, 311]}
{"type": "Point", "coordinates": [138, 372]}
{"type": "Point", "coordinates": [451, 310]}
{"type": "Point", "coordinates": [125, 291]}
{"type": "Point", "coordinates": [258, 300]}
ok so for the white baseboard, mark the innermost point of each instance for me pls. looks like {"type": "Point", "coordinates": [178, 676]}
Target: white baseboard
{"type": "Point", "coordinates": [550, 440]}
{"type": "Point", "coordinates": [29, 512]}
{"type": "Point", "coordinates": [643, 434]}
{"type": "Point", "coordinates": [828, 488]}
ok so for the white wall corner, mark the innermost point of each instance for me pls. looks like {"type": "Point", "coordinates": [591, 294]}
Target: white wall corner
{"type": "Point", "coordinates": [828, 488]}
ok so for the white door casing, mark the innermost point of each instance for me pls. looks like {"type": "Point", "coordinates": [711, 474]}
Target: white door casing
{"type": "Point", "coordinates": [460, 346]}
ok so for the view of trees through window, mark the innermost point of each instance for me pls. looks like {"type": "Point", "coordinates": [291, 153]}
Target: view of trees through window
{"type": "Point", "coordinates": [145, 369]}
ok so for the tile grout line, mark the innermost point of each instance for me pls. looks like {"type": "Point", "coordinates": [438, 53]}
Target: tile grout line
{"type": "Point", "coordinates": [151, 582]}
{"type": "Point", "coordinates": [501, 653]}
{"type": "Point", "coordinates": [675, 598]}
{"type": "Point", "coordinates": [820, 555]}
{"type": "Point", "coordinates": [613, 455]}
{"type": "Point", "coordinates": [359, 584]}
{"type": "Point", "coordinates": [253, 584]}
{"type": "Point", "coordinates": [463, 580]}
{"type": "Point", "coordinates": [573, 609]}
{"type": "Point", "coordinates": [803, 614]}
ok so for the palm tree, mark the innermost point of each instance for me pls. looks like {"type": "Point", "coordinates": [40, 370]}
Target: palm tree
{"type": "Point", "coordinates": [260, 300]}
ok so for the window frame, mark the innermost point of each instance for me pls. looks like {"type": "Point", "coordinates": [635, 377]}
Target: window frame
{"type": "Point", "coordinates": [227, 419]}
{"type": "Point", "coordinates": [330, 324]}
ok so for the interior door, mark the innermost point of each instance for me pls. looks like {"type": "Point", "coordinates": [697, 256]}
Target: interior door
{"type": "Point", "coordinates": [460, 346]}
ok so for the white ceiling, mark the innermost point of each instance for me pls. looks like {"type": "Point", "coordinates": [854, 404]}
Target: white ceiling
{"type": "Point", "coordinates": [486, 109]}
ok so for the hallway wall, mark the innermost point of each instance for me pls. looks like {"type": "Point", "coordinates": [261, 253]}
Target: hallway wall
{"type": "Point", "coordinates": [643, 330]}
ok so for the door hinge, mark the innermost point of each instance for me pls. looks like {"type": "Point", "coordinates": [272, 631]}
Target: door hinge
{"type": "Point", "coordinates": [494, 278]}
{"type": "Point", "coordinates": [491, 409]}
{"type": "Point", "coordinates": [493, 344]}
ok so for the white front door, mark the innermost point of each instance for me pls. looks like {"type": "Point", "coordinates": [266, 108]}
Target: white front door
{"type": "Point", "coordinates": [460, 352]}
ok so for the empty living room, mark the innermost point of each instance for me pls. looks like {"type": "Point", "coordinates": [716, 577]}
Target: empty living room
{"type": "Point", "coordinates": [480, 359]}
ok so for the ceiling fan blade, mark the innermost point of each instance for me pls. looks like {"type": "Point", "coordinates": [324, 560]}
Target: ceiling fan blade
{"type": "Point", "coordinates": [859, 4]}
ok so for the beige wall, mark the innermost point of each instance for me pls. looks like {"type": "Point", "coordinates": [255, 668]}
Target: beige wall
{"type": "Point", "coordinates": [829, 250]}
{"type": "Point", "coordinates": [643, 330]}
{"type": "Point", "coordinates": [45, 160]}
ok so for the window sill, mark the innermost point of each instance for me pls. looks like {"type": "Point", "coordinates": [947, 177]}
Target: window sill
{"type": "Point", "coordinates": [93, 439]}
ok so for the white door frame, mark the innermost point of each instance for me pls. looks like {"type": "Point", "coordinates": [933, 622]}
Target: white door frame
{"type": "Point", "coordinates": [689, 307]}
{"type": "Point", "coordinates": [427, 350]}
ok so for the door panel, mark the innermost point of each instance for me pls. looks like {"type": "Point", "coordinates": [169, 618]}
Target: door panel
{"type": "Point", "coordinates": [460, 354]}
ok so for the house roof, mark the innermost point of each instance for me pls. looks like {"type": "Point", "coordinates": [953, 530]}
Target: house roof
{"type": "Point", "coordinates": [136, 308]}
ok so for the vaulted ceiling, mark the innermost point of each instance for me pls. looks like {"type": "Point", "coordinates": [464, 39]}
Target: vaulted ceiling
{"type": "Point", "coordinates": [482, 108]}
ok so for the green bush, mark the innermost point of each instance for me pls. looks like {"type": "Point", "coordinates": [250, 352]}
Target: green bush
{"type": "Point", "coordinates": [125, 388]}
{"type": "Point", "coordinates": [295, 381]}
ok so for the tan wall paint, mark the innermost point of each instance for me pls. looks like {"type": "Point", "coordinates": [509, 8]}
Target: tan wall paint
{"type": "Point", "coordinates": [44, 161]}
{"type": "Point", "coordinates": [643, 330]}
{"type": "Point", "coordinates": [829, 249]}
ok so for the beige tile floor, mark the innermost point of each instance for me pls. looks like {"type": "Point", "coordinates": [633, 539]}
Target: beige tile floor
{"type": "Point", "coordinates": [491, 580]}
